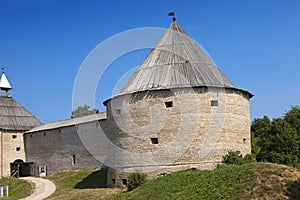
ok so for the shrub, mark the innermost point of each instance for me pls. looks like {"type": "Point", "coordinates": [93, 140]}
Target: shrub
{"type": "Point", "coordinates": [275, 157]}
{"type": "Point", "coordinates": [291, 159]}
{"type": "Point", "coordinates": [250, 158]}
{"type": "Point", "coordinates": [233, 158]}
{"type": "Point", "coordinates": [135, 180]}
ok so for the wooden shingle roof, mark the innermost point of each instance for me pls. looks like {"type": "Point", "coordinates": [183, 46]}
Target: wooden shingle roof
{"type": "Point", "coordinates": [15, 117]}
{"type": "Point", "coordinates": [176, 62]}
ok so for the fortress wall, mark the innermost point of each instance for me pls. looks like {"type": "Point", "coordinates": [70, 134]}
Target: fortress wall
{"type": "Point", "coordinates": [190, 134]}
{"type": "Point", "coordinates": [60, 149]}
{"type": "Point", "coordinates": [153, 135]}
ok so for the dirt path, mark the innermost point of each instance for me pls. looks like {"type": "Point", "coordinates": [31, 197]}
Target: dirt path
{"type": "Point", "coordinates": [43, 188]}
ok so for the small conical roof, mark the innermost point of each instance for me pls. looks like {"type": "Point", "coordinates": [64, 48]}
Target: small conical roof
{"type": "Point", "coordinates": [176, 61]}
{"type": "Point", "coordinates": [4, 83]}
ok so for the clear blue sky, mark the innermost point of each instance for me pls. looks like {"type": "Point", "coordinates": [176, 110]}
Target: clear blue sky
{"type": "Point", "coordinates": [255, 43]}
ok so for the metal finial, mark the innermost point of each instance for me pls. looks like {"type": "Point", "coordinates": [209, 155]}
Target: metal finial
{"type": "Point", "coordinates": [172, 14]}
{"type": "Point", "coordinates": [2, 70]}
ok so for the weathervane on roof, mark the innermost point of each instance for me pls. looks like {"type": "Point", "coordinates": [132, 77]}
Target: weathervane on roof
{"type": "Point", "coordinates": [172, 14]}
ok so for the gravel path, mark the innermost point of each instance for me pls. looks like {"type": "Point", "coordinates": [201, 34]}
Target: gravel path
{"type": "Point", "coordinates": [43, 188]}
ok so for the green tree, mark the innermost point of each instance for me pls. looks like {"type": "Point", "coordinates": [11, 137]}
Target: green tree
{"type": "Point", "coordinates": [260, 140]}
{"type": "Point", "coordinates": [284, 138]}
{"type": "Point", "coordinates": [83, 111]}
{"type": "Point", "coordinates": [277, 140]}
{"type": "Point", "coordinates": [255, 147]}
{"type": "Point", "coordinates": [293, 117]}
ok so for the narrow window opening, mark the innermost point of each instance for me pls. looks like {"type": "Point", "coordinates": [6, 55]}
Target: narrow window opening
{"type": "Point", "coordinates": [169, 104]}
{"type": "Point", "coordinates": [124, 181]}
{"type": "Point", "coordinates": [113, 181]}
{"type": "Point", "coordinates": [214, 103]}
{"type": "Point", "coordinates": [44, 133]}
{"type": "Point", "coordinates": [31, 136]}
{"type": "Point", "coordinates": [154, 140]}
{"type": "Point", "coordinates": [244, 140]}
{"type": "Point", "coordinates": [18, 148]}
{"type": "Point", "coordinates": [74, 160]}
{"type": "Point", "coordinates": [118, 111]}
{"type": "Point", "coordinates": [14, 136]}
{"type": "Point", "coordinates": [59, 130]}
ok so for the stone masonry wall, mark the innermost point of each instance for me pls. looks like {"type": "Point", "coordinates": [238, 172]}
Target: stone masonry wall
{"type": "Point", "coordinates": [60, 149]}
{"type": "Point", "coordinates": [192, 133]}
{"type": "Point", "coordinates": [156, 132]}
{"type": "Point", "coordinates": [11, 149]}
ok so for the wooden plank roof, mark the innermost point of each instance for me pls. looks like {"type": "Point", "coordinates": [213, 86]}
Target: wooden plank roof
{"type": "Point", "coordinates": [15, 117]}
{"type": "Point", "coordinates": [175, 62]}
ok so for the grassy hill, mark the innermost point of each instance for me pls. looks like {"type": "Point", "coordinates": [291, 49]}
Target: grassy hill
{"type": "Point", "coordinates": [81, 184]}
{"type": "Point", "coordinates": [251, 181]}
{"type": "Point", "coordinates": [17, 188]}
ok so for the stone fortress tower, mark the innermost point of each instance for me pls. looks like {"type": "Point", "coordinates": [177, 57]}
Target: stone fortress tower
{"type": "Point", "coordinates": [178, 111]}
{"type": "Point", "coordinates": [14, 121]}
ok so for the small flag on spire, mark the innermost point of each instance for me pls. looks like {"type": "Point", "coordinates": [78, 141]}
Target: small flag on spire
{"type": "Point", "coordinates": [172, 14]}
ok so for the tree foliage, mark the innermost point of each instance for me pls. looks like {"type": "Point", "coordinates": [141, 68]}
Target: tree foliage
{"type": "Point", "coordinates": [277, 140]}
{"type": "Point", "coordinates": [83, 111]}
{"type": "Point", "coordinates": [293, 117]}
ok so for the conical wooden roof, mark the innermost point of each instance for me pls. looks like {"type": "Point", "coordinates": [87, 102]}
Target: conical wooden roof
{"type": "Point", "coordinates": [15, 117]}
{"type": "Point", "coordinates": [175, 62]}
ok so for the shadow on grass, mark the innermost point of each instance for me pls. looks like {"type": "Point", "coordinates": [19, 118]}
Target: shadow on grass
{"type": "Point", "coordinates": [96, 179]}
{"type": "Point", "coordinates": [294, 190]}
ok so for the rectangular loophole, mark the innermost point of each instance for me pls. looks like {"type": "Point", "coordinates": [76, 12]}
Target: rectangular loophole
{"type": "Point", "coordinates": [74, 159]}
{"type": "Point", "coordinates": [169, 104]}
{"type": "Point", "coordinates": [214, 102]}
{"type": "Point", "coordinates": [113, 181]}
{"type": "Point", "coordinates": [154, 140]}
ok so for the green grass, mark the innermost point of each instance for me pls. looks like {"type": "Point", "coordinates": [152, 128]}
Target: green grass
{"type": "Point", "coordinates": [81, 184]}
{"type": "Point", "coordinates": [17, 188]}
{"type": "Point", "coordinates": [250, 181]}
